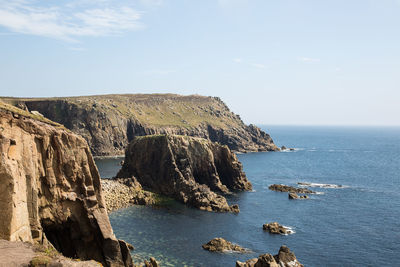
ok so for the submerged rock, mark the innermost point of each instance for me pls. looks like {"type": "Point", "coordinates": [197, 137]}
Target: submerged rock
{"type": "Point", "coordinates": [50, 190]}
{"type": "Point", "coordinates": [285, 258]}
{"type": "Point", "coordinates": [221, 245]}
{"type": "Point", "coordinates": [291, 189]}
{"type": "Point", "coordinates": [191, 170]}
{"type": "Point", "coordinates": [276, 228]}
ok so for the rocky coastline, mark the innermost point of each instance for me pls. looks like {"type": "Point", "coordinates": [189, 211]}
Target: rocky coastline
{"type": "Point", "coordinates": [192, 170]}
{"type": "Point", "coordinates": [284, 258]}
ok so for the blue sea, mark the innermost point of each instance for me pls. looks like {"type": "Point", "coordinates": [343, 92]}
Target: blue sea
{"type": "Point", "coordinates": [354, 222]}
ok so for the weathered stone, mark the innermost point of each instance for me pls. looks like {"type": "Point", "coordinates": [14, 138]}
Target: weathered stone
{"type": "Point", "coordinates": [291, 189]}
{"type": "Point", "coordinates": [221, 245]}
{"type": "Point", "coordinates": [285, 258]}
{"type": "Point", "coordinates": [50, 190]}
{"type": "Point", "coordinates": [276, 228]}
{"type": "Point", "coordinates": [192, 170]}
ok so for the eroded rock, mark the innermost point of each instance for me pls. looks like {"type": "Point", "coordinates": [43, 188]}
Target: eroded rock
{"type": "Point", "coordinates": [290, 189]}
{"type": "Point", "coordinates": [285, 258]}
{"type": "Point", "coordinates": [191, 170]}
{"type": "Point", "coordinates": [50, 191]}
{"type": "Point", "coordinates": [276, 228]}
{"type": "Point", "coordinates": [296, 196]}
{"type": "Point", "coordinates": [222, 245]}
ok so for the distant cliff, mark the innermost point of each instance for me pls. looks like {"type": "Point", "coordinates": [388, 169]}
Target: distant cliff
{"type": "Point", "coordinates": [192, 170]}
{"type": "Point", "coordinates": [110, 122]}
{"type": "Point", "coordinates": [50, 190]}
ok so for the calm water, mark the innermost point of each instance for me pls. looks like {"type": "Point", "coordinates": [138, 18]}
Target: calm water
{"type": "Point", "coordinates": [357, 225]}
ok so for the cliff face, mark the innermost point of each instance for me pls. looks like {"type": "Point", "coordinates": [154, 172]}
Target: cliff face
{"type": "Point", "coordinates": [50, 191]}
{"type": "Point", "coordinates": [191, 170]}
{"type": "Point", "coordinates": [110, 122]}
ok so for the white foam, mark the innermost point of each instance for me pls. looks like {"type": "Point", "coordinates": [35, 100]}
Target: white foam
{"type": "Point", "coordinates": [290, 230]}
{"type": "Point", "coordinates": [331, 186]}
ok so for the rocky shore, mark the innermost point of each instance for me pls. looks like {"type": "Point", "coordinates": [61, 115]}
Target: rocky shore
{"type": "Point", "coordinates": [192, 170]}
{"type": "Point", "coordinates": [284, 258]}
{"type": "Point", "coordinates": [122, 192]}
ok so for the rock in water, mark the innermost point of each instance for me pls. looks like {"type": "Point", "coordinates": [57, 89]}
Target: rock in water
{"type": "Point", "coordinates": [110, 122]}
{"type": "Point", "coordinates": [285, 258]}
{"type": "Point", "coordinates": [296, 196]}
{"type": "Point", "coordinates": [221, 245]}
{"type": "Point", "coordinates": [276, 228]}
{"type": "Point", "coordinates": [191, 170]}
{"type": "Point", "coordinates": [291, 189]}
{"type": "Point", "coordinates": [50, 190]}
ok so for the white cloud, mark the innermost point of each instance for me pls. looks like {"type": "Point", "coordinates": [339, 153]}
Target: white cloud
{"type": "Point", "coordinates": [308, 59]}
{"type": "Point", "coordinates": [237, 60]}
{"type": "Point", "coordinates": [66, 22]}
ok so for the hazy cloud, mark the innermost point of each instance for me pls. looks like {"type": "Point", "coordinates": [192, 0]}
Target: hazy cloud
{"type": "Point", "coordinates": [258, 65]}
{"type": "Point", "coordinates": [237, 60]}
{"type": "Point", "coordinates": [67, 22]}
{"type": "Point", "coordinates": [308, 59]}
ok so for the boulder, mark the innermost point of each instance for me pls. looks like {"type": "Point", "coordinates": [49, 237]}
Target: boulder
{"type": "Point", "coordinates": [191, 170]}
{"type": "Point", "coordinates": [296, 196]}
{"type": "Point", "coordinates": [285, 258]}
{"type": "Point", "coordinates": [276, 228]}
{"type": "Point", "coordinates": [221, 245]}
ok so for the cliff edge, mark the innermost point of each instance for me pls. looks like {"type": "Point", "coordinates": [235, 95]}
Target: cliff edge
{"type": "Point", "coordinates": [110, 122]}
{"type": "Point", "coordinates": [50, 191]}
{"type": "Point", "coordinates": [192, 170]}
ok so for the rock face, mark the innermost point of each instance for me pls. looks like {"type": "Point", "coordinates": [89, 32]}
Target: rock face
{"type": "Point", "coordinates": [110, 122]}
{"type": "Point", "coordinates": [290, 189]}
{"type": "Point", "coordinates": [276, 228]}
{"type": "Point", "coordinates": [50, 191]}
{"type": "Point", "coordinates": [191, 170]}
{"type": "Point", "coordinates": [221, 245]}
{"type": "Point", "coordinates": [285, 258]}
{"type": "Point", "coordinates": [122, 192]}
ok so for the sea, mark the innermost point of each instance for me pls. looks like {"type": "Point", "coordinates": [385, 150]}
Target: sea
{"type": "Point", "coordinates": [354, 220]}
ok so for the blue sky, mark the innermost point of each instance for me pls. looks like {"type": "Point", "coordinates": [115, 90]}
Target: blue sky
{"type": "Point", "coordinates": [331, 62]}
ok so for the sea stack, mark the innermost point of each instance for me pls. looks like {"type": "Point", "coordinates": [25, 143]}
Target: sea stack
{"type": "Point", "coordinates": [191, 170]}
{"type": "Point", "coordinates": [50, 190]}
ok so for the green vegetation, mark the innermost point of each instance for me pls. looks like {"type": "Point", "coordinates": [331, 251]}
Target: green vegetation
{"type": "Point", "coordinates": [40, 261]}
{"type": "Point", "coordinates": [28, 114]}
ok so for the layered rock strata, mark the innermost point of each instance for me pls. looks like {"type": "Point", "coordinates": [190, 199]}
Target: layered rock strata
{"type": "Point", "coordinates": [50, 191]}
{"type": "Point", "coordinates": [191, 170]}
{"type": "Point", "coordinates": [285, 258]}
{"type": "Point", "coordinates": [110, 122]}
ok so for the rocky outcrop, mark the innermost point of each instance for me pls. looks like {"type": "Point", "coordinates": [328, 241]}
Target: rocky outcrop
{"type": "Point", "coordinates": [290, 189]}
{"type": "Point", "coordinates": [296, 196]}
{"type": "Point", "coordinates": [221, 245]}
{"type": "Point", "coordinates": [50, 191]}
{"type": "Point", "coordinates": [285, 258]}
{"type": "Point", "coordinates": [276, 228]}
{"type": "Point", "coordinates": [122, 192]}
{"type": "Point", "coordinates": [110, 122]}
{"type": "Point", "coordinates": [191, 170]}
{"type": "Point", "coordinates": [151, 263]}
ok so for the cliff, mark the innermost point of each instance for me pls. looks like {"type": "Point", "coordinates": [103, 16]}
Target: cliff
{"type": "Point", "coordinates": [192, 170]}
{"type": "Point", "coordinates": [50, 190]}
{"type": "Point", "coordinates": [110, 122]}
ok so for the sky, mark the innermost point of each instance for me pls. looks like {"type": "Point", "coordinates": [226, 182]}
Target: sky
{"type": "Point", "coordinates": [290, 62]}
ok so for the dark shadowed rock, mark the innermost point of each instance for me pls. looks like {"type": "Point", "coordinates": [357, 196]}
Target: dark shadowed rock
{"type": "Point", "coordinates": [221, 245]}
{"type": "Point", "coordinates": [291, 189]}
{"type": "Point", "coordinates": [50, 190]}
{"type": "Point", "coordinates": [285, 258]}
{"type": "Point", "coordinates": [151, 263]}
{"type": "Point", "coordinates": [192, 170]}
{"type": "Point", "coordinates": [296, 196]}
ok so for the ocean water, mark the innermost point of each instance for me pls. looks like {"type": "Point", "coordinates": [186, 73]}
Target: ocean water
{"type": "Point", "coordinates": [357, 224]}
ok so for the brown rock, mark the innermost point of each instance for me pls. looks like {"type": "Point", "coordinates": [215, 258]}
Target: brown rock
{"type": "Point", "coordinates": [221, 245]}
{"type": "Point", "coordinates": [276, 228]}
{"type": "Point", "coordinates": [191, 170]}
{"type": "Point", "coordinates": [291, 189]}
{"type": "Point", "coordinates": [50, 191]}
{"type": "Point", "coordinates": [285, 258]}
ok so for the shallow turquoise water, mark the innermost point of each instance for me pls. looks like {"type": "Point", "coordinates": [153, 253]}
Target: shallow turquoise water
{"type": "Point", "coordinates": [356, 225]}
